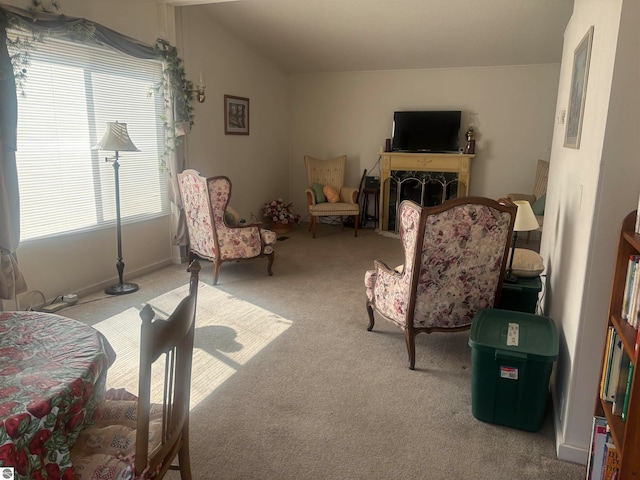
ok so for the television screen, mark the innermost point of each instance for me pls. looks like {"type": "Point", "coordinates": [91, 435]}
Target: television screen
{"type": "Point", "coordinates": [426, 131]}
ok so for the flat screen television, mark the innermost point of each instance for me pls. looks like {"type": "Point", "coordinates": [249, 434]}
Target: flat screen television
{"type": "Point", "coordinates": [426, 131]}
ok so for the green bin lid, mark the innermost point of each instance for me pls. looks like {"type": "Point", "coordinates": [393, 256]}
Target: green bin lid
{"type": "Point", "coordinates": [534, 335]}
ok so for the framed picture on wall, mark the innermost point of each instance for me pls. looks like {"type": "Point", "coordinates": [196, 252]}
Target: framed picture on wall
{"type": "Point", "coordinates": [236, 115]}
{"type": "Point", "coordinates": [578, 94]}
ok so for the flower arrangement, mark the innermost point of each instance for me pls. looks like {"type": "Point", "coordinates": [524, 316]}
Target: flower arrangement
{"type": "Point", "coordinates": [279, 212]}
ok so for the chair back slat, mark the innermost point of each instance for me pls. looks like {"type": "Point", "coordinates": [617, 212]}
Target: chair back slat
{"type": "Point", "coordinates": [171, 339]}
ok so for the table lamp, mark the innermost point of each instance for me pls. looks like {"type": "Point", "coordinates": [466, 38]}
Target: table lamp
{"type": "Point", "coordinates": [116, 138]}
{"type": "Point", "coordinates": [525, 222]}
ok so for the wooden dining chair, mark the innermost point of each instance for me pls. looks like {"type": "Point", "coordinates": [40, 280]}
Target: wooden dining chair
{"type": "Point", "coordinates": [137, 438]}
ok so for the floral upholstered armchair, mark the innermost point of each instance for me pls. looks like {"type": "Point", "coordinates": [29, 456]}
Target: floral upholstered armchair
{"type": "Point", "coordinates": [454, 263]}
{"type": "Point", "coordinates": [211, 237]}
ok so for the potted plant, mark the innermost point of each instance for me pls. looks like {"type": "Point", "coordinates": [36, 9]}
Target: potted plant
{"type": "Point", "coordinates": [279, 215]}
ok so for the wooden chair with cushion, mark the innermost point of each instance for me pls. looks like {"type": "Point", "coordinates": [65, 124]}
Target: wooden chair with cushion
{"type": "Point", "coordinates": [326, 194]}
{"type": "Point", "coordinates": [454, 264]}
{"type": "Point", "coordinates": [136, 438]}
{"type": "Point", "coordinates": [211, 236]}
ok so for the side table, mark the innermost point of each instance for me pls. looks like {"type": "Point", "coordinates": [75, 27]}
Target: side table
{"type": "Point", "coordinates": [365, 217]}
{"type": "Point", "coordinates": [521, 296]}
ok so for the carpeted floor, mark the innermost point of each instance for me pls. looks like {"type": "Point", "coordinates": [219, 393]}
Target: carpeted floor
{"type": "Point", "coordinates": [309, 393]}
{"type": "Point", "coordinates": [229, 333]}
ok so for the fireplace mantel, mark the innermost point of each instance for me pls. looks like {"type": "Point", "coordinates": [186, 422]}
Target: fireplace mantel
{"type": "Point", "coordinates": [456, 163]}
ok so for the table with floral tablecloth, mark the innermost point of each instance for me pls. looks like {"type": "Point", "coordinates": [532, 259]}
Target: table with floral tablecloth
{"type": "Point", "coordinates": [52, 383]}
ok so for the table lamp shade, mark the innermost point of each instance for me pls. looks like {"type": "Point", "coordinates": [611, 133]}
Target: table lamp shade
{"type": "Point", "coordinates": [525, 218]}
{"type": "Point", "coordinates": [116, 138]}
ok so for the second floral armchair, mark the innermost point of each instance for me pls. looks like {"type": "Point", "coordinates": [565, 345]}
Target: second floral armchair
{"type": "Point", "coordinates": [454, 263]}
{"type": "Point", "coordinates": [211, 237]}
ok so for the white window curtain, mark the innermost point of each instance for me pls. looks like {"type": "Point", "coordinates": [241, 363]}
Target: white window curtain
{"type": "Point", "coordinates": [72, 91]}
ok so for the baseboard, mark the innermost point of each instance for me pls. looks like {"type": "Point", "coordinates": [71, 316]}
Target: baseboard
{"type": "Point", "coordinates": [566, 451]}
{"type": "Point", "coordinates": [571, 453]}
{"type": "Point", "coordinates": [128, 275]}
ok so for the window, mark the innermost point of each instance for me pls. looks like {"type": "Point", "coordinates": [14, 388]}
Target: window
{"type": "Point", "coordinates": [72, 91]}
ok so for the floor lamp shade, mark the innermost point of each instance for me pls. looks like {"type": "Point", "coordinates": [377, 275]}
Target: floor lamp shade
{"type": "Point", "coordinates": [116, 138]}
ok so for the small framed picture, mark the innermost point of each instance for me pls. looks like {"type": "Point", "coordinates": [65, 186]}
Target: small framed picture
{"type": "Point", "coordinates": [236, 115]}
{"type": "Point", "coordinates": [578, 94]}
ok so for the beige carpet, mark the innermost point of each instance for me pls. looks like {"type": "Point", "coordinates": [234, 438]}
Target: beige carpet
{"type": "Point", "coordinates": [229, 332]}
{"type": "Point", "coordinates": [318, 397]}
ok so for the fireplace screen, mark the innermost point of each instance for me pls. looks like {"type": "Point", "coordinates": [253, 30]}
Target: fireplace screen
{"type": "Point", "coordinates": [424, 188]}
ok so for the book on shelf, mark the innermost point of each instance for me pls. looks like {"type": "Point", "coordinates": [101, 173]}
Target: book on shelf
{"type": "Point", "coordinates": [621, 384]}
{"type": "Point", "coordinates": [637, 226]}
{"type": "Point", "coordinates": [607, 363]}
{"type": "Point", "coordinates": [634, 298]}
{"type": "Point", "coordinates": [611, 461]}
{"type": "Point", "coordinates": [630, 278]}
{"type": "Point", "coordinates": [596, 453]}
{"type": "Point", "coordinates": [625, 405]}
{"type": "Point", "coordinates": [613, 373]}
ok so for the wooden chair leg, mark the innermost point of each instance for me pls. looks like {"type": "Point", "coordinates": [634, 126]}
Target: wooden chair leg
{"type": "Point", "coordinates": [372, 320]}
{"type": "Point", "coordinates": [313, 226]}
{"type": "Point", "coordinates": [270, 264]}
{"type": "Point", "coordinates": [411, 348]}
{"type": "Point", "coordinates": [184, 461]}
{"type": "Point", "coordinates": [356, 221]}
{"type": "Point", "coordinates": [216, 270]}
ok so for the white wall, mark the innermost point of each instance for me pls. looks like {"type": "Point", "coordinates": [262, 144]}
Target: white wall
{"type": "Point", "coordinates": [352, 113]}
{"type": "Point", "coordinates": [257, 164]}
{"type": "Point", "coordinates": [590, 191]}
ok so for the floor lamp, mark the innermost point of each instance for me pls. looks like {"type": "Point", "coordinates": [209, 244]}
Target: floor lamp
{"type": "Point", "coordinates": [526, 221]}
{"type": "Point", "coordinates": [116, 138]}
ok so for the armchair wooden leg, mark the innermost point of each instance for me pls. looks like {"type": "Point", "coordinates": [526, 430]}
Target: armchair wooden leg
{"type": "Point", "coordinates": [216, 270]}
{"type": "Point", "coordinates": [411, 348]}
{"type": "Point", "coordinates": [355, 227]}
{"type": "Point", "coordinates": [313, 226]}
{"type": "Point", "coordinates": [270, 264]}
{"type": "Point", "coordinates": [371, 318]}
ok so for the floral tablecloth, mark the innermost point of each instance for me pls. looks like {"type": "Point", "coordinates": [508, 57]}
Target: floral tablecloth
{"type": "Point", "coordinates": [52, 383]}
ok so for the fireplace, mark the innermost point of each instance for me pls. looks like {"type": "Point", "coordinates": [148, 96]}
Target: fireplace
{"type": "Point", "coordinates": [426, 178]}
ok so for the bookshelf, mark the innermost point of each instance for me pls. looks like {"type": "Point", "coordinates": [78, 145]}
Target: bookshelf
{"type": "Point", "coordinates": [625, 433]}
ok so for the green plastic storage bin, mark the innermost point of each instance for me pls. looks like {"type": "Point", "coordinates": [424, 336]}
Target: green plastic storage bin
{"type": "Point", "coordinates": [521, 296]}
{"type": "Point", "coordinates": [512, 355]}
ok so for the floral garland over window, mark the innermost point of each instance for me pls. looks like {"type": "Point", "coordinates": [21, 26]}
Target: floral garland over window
{"type": "Point", "coordinates": [279, 212]}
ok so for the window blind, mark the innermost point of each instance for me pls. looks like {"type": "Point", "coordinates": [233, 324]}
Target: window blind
{"type": "Point", "coordinates": [72, 91]}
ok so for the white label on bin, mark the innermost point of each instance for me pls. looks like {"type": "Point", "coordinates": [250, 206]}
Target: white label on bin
{"type": "Point", "coordinates": [509, 373]}
{"type": "Point", "coordinates": [513, 335]}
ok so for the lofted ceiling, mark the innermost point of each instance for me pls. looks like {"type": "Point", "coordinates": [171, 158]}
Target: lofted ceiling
{"type": "Point", "coordinates": [358, 35]}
